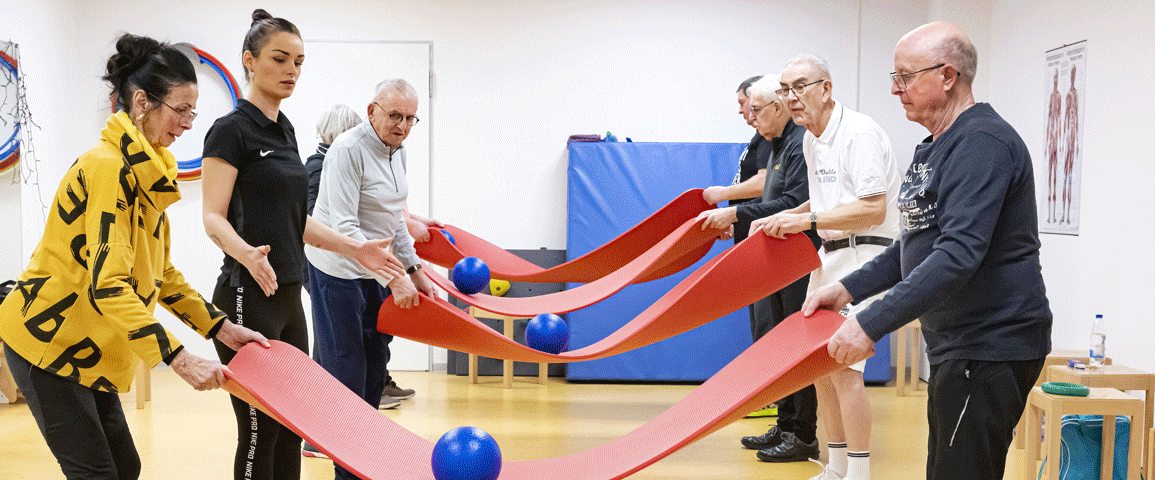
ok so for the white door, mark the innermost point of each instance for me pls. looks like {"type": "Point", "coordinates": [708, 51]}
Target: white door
{"type": "Point", "coordinates": [347, 72]}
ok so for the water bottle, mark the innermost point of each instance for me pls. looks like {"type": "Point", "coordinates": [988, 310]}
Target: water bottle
{"type": "Point", "coordinates": [1098, 343]}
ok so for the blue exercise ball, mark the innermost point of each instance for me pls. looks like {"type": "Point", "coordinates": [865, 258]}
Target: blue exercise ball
{"type": "Point", "coordinates": [449, 236]}
{"type": "Point", "coordinates": [547, 333]}
{"type": "Point", "coordinates": [466, 453]}
{"type": "Point", "coordinates": [470, 275]}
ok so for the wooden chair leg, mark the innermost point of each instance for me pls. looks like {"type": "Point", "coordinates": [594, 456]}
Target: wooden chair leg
{"type": "Point", "coordinates": [1107, 465]}
{"type": "Point", "coordinates": [1054, 445]}
{"type": "Point", "coordinates": [507, 365]}
{"type": "Point", "coordinates": [472, 368]}
{"type": "Point", "coordinates": [1031, 454]}
{"type": "Point", "coordinates": [143, 385]}
{"type": "Point", "coordinates": [916, 359]}
{"type": "Point", "coordinates": [900, 361]}
{"type": "Point", "coordinates": [1150, 451]}
{"type": "Point", "coordinates": [1135, 452]}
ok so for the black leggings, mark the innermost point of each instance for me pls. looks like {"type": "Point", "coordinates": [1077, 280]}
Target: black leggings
{"type": "Point", "coordinates": [265, 448]}
{"type": "Point", "coordinates": [85, 428]}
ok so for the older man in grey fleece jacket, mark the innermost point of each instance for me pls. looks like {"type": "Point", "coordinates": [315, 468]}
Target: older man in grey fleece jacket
{"type": "Point", "coordinates": [362, 194]}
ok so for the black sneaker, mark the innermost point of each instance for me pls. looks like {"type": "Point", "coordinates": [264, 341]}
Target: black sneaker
{"type": "Point", "coordinates": [312, 452]}
{"type": "Point", "coordinates": [790, 450]}
{"type": "Point", "coordinates": [766, 440]}
{"type": "Point", "coordinates": [392, 390]}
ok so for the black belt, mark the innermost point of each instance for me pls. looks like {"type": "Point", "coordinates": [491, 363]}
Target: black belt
{"type": "Point", "coordinates": [855, 240]}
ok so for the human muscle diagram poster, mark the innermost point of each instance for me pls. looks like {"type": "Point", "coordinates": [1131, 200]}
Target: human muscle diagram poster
{"type": "Point", "coordinates": [1063, 151]}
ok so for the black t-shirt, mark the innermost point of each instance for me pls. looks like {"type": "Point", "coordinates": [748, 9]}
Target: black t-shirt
{"type": "Point", "coordinates": [756, 157]}
{"type": "Point", "coordinates": [268, 201]}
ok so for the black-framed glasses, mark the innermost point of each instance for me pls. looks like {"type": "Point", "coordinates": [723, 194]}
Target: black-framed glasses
{"type": "Point", "coordinates": [184, 112]}
{"type": "Point", "coordinates": [900, 79]}
{"type": "Point", "coordinates": [396, 117]}
{"type": "Point", "coordinates": [797, 89]}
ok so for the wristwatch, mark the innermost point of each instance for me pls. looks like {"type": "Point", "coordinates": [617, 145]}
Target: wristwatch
{"type": "Point", "coordinates": [814, 220]}
{"type": "Point", "coordinates": [413, 269]}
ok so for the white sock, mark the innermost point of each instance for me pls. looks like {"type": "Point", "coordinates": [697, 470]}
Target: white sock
{"type": "Point", "coordinates": [858, 465]}
{"type": "Point", "coordinates": [837, 452]}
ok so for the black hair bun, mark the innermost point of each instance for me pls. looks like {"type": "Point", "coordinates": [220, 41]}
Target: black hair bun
{"type": "Point", "coordinates": [260, 14]}
{"type": "Point", "coordinates": [132, 52]}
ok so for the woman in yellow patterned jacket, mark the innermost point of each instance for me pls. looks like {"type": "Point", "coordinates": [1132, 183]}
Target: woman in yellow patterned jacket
{"type": "Point", "coordinates": [83, 309]}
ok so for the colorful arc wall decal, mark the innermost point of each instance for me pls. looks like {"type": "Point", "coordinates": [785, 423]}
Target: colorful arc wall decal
{"type": "Point", "coordinates": [10, 149]}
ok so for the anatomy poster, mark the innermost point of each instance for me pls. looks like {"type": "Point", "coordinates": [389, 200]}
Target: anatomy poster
{"type": "Point", "coordinates": [1063, 153]}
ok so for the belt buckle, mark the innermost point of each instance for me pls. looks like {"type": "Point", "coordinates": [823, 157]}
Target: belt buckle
{"type": "Point", "coordinates": [853, 243]}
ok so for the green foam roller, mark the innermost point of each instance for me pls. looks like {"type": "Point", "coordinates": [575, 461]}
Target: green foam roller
{"type": "Point", "coordinates": [1065, 388]}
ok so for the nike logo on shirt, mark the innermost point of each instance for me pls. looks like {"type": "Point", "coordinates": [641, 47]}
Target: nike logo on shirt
{"type": "Point", "coordinates": [265, 153]}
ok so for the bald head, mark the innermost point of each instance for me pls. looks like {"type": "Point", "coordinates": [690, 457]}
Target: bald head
{"type": "Point", "coordinates": [942, 42]}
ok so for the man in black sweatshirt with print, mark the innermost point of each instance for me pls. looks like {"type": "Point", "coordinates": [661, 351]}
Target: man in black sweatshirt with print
{"type": "Point", "coordinates": [966, 263]}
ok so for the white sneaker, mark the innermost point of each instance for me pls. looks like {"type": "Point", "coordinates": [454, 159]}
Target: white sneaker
{"type": "Point", "coordinates": [827, 474]}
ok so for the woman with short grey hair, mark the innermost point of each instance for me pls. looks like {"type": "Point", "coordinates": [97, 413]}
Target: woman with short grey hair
{"type": "Point", "coordinates": [334, 121]}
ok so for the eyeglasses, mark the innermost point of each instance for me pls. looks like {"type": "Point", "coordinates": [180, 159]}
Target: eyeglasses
{"type": "Point", "coordinates": [900, 79]}
{"type": "Point", "coordinates": [756, 110]}
{"type": "Point", "coordinates": [184, 112]}
{"type": "Point", "coordinates": [797, 89]}
{"type": "Point", "coordinates": [396, 117]}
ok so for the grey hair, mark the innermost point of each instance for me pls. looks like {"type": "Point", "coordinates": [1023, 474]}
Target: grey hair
{"type": "Point", "coordinates": [814, 60]}
{"type": "Point", "coordinates": [396, 85]}
{"type": "Point", "coordinates": [765, 88]}
{"type": "Point", "coordinates": [958, 50]}
{"type": "Point", "coordinates": [334, 121]}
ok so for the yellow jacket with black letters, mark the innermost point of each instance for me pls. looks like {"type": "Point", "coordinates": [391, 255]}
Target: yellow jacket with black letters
{"type": "Point", "coordinates": [84, 307]}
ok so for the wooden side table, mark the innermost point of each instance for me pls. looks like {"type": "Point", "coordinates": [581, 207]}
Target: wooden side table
{"type": "Point", "coordinates": [506, 365]}
{"type": "Point", "coordinates": [1056, 357]}
{"type": "Point", "coordinates": [1111, 376]}
{"type": "Point", "coordinates": [908, 339]}
{"type": "Point", "coordinates": [1060, 357]}
{"type": "Point", "coordinates": [1101, 401]}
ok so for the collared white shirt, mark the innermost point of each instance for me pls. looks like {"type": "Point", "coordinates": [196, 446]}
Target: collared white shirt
{"type": "Point", "coordinates": [852, 159]}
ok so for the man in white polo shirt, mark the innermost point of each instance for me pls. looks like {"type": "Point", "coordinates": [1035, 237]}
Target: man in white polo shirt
{"type": "Point", "coordinates": [853, 185]}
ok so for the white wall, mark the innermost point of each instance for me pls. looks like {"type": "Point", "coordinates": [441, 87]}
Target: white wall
{"type": "Point", "coordinates": [879, 35]}
{"type": "Point", "coordinates": [974, 17]}
{"type": "Point", "coordinates": [42, 30]}
{"type": "Point", "coordinates": [513, 79]}
{"type": "Point", "coordinates": [1107, 268]}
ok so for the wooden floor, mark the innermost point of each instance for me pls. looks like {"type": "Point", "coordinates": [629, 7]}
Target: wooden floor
{"type": "Point", "coordinates": [189, 434]}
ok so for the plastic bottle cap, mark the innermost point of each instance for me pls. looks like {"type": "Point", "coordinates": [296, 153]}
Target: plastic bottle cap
{"type": "Point", "coordinates": [1098, 316]}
